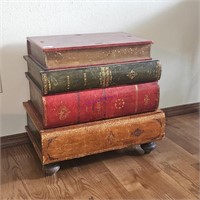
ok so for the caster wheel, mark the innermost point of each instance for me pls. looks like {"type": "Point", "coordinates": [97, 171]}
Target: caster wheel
{"type": "Point", "coordinates": [148, 147]}
{"type": "Point", "coordinates": [51, 169]}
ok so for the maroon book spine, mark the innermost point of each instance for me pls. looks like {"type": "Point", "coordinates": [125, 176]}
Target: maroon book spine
{"type": "Point", "coordinates": [91, 105]}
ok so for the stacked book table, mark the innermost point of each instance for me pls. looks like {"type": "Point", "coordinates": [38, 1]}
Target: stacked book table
{"type": "Point", "coordinates": [91, 93]}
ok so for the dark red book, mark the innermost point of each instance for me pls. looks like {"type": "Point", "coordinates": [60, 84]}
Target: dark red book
{"type": "Point", "coordinates": [91, 105]}
{"type": "Point", "coordinates": [77, 50]}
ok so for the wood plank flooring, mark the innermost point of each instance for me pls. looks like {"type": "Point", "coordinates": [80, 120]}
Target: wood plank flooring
{"type": "Point", "coordinates": [171, 171]}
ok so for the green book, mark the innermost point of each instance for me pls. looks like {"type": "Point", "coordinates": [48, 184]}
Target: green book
{"type": "Point", "coordinates": [90, 77]}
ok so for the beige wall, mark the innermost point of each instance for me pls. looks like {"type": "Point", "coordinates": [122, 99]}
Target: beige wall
{"type": "Point", "coordinates": [172, 24]}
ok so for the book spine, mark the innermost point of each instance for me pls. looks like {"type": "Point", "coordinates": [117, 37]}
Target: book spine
{"type": "Point", "coordinates": [90, 138]}
{"type": "Point", "coordinates": [96, 56]}
{"type": "Point", "coordinates": [103, 76]}
{"type": "Point", "coordinates": [100, 77]}
{"type": "Point", "coordinates": [91, 105]}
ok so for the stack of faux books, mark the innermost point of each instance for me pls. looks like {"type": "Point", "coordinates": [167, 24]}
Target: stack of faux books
{"type": "Point", "coordinates": [91, 93]}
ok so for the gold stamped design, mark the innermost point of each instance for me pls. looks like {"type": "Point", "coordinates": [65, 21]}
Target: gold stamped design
{"type": "Point", "coordinates": [146, 99]}
{"type": "Point", "coordinates": [110, 138]}
{"type": "Point", "coordinates": [45, 83]}
{"type": "Point", "coordinates": [68, 82]}
{"type": "Point", "coordinates": [85, 78]}
{"type": "Point", "coordinates": [132, 74]}
{"type": "Point", "coordinates": [105, 76]}
{"type": "Point", "coordinates": [119, 104]}
{"type": "Point", "coordinates": [63, 112]}
{"type": "Point", "coordinates": [158, 69]}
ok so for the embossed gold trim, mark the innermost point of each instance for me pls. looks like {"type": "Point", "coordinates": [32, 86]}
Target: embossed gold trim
{"type": "Point", "coordinates": [45, 83]}
{"type": "Point", "coordinates": [100, 79]}
{"type": "Point", "coordinates": [119, 104]}
{"type": "Point", "coordinates": [158, 69]}
{"type": "Point", "coordinates": [85, 78]}
{"type": "Point", "coordinates": [110, 75]}
{"type": "Point", "coordinates": [146, 100]}
{"type": "Point", "coordinates": [63, 112]}
{"type": "Point", "coordinates": [44, 111]}
{"type": "Point", "coordinates": [104, 55]}
{"type": "Point", "coordinates": [68, 82]}
{"type": "Point", "coordinates": [105, 76]}
{"type": "Point", "coordinates": [132, 74]}
{"type": "Point", "coordinates": [49, 85]}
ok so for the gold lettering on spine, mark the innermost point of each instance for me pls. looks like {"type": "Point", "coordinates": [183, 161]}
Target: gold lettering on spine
{"type": "Point", "coordinates": [100, 79]}
{"type": "Point", "coordinates": [46, 83]}
{"type": "Point", "coordinates": [158, 69]}
{"type": "Point", "coordinates": [85, 78]}
{"type": "Point", "coordinates": [105, 76]}
{"type": "Point", "coordinates": [68, 83]}
{"type": "Point", "coordinates": [136, 98]}
{"type": "Point", "coordinates": [110, 75]}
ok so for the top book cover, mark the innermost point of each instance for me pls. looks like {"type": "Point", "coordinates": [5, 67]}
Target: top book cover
{"type": "Point", "coordinates": [68, 51]}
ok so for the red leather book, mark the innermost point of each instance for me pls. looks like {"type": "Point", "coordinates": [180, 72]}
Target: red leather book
{"type": "Point", "coordinates": [91, 105]}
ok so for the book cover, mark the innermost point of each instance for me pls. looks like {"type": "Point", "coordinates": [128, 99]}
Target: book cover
{"type": "Point", "coordinates": [64, 51]}
{"type": "Point", "coordinates": [74, 141]}
{"type": "Point", "coordinates": [92, 105]}
{"type": "Point", "coordinates": [101, 76]}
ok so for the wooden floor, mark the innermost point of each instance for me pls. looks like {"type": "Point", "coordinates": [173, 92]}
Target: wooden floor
{"type": "Point", "coordinates": [171, 171]}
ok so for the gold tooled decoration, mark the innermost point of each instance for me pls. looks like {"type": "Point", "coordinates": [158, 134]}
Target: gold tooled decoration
{"type": "Point", "coordinates": [68, 83]}
{"type": "Point", "coordinates": [110, 75]}
{"type": "Point", "coordinates": [119, 104]}
{"type": "Point", "coordinates": [63, 112]}
{"type": "Point", "coordinates": [44, 111]}
{"type": "Point", "coordinates": [85, 78]}
{"type": "Point", "coordinates": [100, 79]}
{"type": "Point", "coordinates": [158, 69]}
{"type": "Point", "coordinates": [146, 99]}
{"type": "Point", "coordinates": [105, 76]}
{"type": "Point", "coordinates": [45, 83]}
{"type": "Point", "coordinates": [132, 74]}
{"type": "Point", "coordinates": [110, 138]}
{"type": "Point", "coordinates": [49, 85]}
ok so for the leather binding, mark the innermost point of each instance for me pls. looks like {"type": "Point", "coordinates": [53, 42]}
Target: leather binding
{"type": "Point", "coordinates": [92, 105]}
{"type": "Point", "coordinates": [74, 141]}
{"type": "Point", "coordinates": [65, 51]}
{"type": "Point", "coordinates": [91, 77]}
